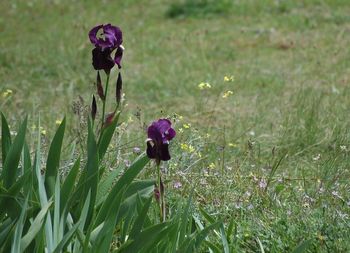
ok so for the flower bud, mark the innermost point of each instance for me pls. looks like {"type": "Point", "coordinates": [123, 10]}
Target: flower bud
{"type": "Point", "coordinates": [118, 90]}
{"type": "Point", "coordinates": [93, 108]}
{"type": "Point", "coordinates": [100, 87]}
{"type": "Point", "coordinates": [156, 193]}
{"type": "Point", "coordinates": [109, 119]}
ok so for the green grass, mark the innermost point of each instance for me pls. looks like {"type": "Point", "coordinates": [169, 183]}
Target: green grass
{"type": "Point", "coordinates": [291, 101]}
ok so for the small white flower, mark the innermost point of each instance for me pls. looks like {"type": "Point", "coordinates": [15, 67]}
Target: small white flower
{"type": "Point", "coordinates": [262, 184]}
{"type": "Point", "coordinates": [177, 185]}
{"type": "Point", "coordinates": [317, 157]}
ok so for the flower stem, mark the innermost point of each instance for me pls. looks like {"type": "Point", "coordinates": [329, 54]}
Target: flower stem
{"type": "Point", "coordinates": [104, 102]}
{"type": "Point", "coordinates": [160, 193]}
{"type": "Point", "coordinates": [162, 213]}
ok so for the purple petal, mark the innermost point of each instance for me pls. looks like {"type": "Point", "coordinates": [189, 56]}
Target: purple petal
{"type": "Point", "coordinates": [154, 134]}
{"type": "Point", "coordinates": [170, 134]}
{"type": "Point", "coordinates": [93, 34]}
{"type": "Point", "coordinates": [163, 151]}
{"type": "Point", "coordinates": [162, 125]}
{"type": "Point", "coordinates": [151, 150]}
{"type": "Point", "coordinates": [118, 56]}
{"type": "Point", "coordinates": [102, 59]}
{"type": "Point", "coordinates": [113, 35]}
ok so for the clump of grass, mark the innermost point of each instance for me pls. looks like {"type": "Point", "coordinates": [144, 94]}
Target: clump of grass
{"type": "Point", "coordinates": [198, 8]}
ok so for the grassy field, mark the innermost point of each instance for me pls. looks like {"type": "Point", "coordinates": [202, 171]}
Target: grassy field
{"type": "Point", "coordinates": [273, 157]}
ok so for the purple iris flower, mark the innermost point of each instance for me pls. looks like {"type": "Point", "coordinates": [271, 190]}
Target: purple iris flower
{"type": "Point", "coordinates": [159, 135]}
{"type": "Point", "coordinates": [106, 39]}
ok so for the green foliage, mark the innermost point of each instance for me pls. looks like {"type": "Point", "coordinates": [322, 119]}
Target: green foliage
{"type": "Point", "coordinates": [199, 8]}
{"type": "Point", "coordinates": [49, 216]}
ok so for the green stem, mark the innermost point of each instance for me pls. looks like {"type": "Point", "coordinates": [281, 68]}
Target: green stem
{"type": "Point", "coordinates": [104, 103]}
{"type": "Point", "coordinates": [160, 193]}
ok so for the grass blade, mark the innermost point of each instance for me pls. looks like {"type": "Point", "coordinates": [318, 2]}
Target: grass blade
{"type": "Point", "coordinates": [145, 239]}
{"type": "Point", "coordinates": [91, 172]}
{"type": "Point", "coordinates": [35, 227]}
{"type": "Point", "coordinates": [5, 228]}
{"type": "Point", "coordinates": [106, 137]}
{"type": "Point", "coordinates": [5, 137]}
{"type": "Point", "coordinates": [105, 185]}
{"type": "Point", "coordinates": [260, 245]}
{"type": "Point", "coordinates": [13, 156]}
{"type": "Point", "coordinates": [138, 224]}
{"type": "Point", "coordinates": [66, 238]}
{"type": "Point", "coordinates": [68, 184]}
{"type": "Point", "coordinates": [53, 159]}
{"type": "Point", "coordinates": [124, 180]}
{"type": "Point", "coordinates": [16, 245]}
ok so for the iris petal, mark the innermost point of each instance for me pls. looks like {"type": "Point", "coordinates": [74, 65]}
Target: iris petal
{"type": "Point", "coordinates": [93, 34]}
{"type": "Point", "coordinates": [160, 133]}
{"type": "Point", "coordinates": [151, 150]}
{"type": "Point", "coordinates": [102, 59]}
{"type": "Point", "coordinates": [154, 134]}
{"type": "Point", "coordinates": [118, 56]}
{"type": "Point", "coordinates": [171, 134]}
{"type": "Point", "coordinates": [163, 150]}
{"type": "Point", "coordinates": [113, 35]}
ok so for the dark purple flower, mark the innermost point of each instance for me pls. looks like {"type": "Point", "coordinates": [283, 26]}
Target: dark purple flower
{"type": "Point", "coordinates": [102, 59]}
{"type": "Point", "coordinates": [106, 38]}
{"type": "Point", "coordinates": [110, 36]}
{"type": "Point", "coordinates": [159, 135]}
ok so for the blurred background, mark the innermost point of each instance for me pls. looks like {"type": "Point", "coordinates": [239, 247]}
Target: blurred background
{"type": "Point", "coordinates": [272, 48]}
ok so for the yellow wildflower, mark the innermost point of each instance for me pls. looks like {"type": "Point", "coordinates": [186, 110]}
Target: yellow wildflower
{"type": "Point", "coordinates": [58, 122]}
{"type": "Point", "coordinates": [184, 146]}
{"type": "Point", "coordinates": [212, 166]}
{"type": "Point", "coordinates": [203, 86]}
{"type": "Point", "coordinates": [42, 131]}
{"type": "Point", "coordinates": [186, 126]}
{"type": "Point", "coordinates": [227, 94]}
{"type": "Point", "coordinates": [232, 145]}
{"type": "Point", "coordinates": [187, 148]}
{"type": "Point", "coordinates": [321, 237]}
{"type": "Point", "coordinates": [7, 93]}
{"type": "Point", "coordinates": [229, 78]}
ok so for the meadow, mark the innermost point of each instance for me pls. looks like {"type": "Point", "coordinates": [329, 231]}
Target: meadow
{"type": "Point", "coordinates": [258, 93]}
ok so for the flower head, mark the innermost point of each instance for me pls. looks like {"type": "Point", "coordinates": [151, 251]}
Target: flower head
{"type": "Point", "coordinates": [227, 94]}
{"type": "Point", "coordinates": [7, 93]}
{"type": "Point", "coordinates": [159, 135]}
{"type": "Point", "coordinates": [203, 86]}
{"type": "Point", "coordinates": [229, 78]}
{"type": "Point", "coordinates": [106, 38]}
